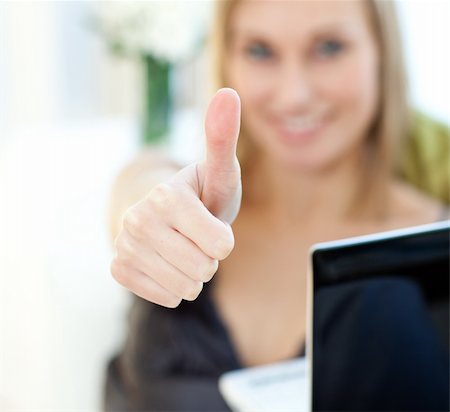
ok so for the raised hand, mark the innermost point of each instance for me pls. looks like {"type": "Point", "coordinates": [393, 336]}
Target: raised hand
{"type": "Point", "coordinates": [171, 241]}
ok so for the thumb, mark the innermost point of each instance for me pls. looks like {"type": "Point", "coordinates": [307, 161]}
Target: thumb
{"type": "Point", "coordinates": [221, 171]}
{"type": "Point", "coordinates": [222, 130]}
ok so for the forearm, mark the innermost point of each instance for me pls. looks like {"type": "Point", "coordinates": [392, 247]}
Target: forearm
{"type": "Point", "coordinates": [135, 181]}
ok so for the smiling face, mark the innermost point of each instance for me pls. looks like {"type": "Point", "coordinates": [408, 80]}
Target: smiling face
{"type": "Point", "coordinates": [307, 74]}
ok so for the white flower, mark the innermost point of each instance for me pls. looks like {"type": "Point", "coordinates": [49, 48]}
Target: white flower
{"type": "Point", "coordinates": [169, 30]}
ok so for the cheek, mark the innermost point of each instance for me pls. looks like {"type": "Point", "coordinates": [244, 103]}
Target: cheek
{"type": "Point", "coordinates": [254, 86]}
{"type": "Point", "coordinates": [355, 89]}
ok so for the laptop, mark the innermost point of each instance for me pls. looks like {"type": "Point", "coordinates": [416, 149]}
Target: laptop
{"type": "Point", "coordinates": [378, 330]}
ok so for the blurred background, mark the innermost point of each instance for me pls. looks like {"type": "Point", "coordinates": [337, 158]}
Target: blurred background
{"type": "Point", "coordinates": [77, 83]}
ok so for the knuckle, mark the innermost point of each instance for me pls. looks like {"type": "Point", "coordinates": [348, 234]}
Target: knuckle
{"type": "Point", "coordinates": [162, 297]}
{"type": "Point", "coordinates": [133, 223]}
{"type": "Point", "coordinates": [163, 197]}
{"type": "Point", "coordinates": [118, 272]}
{"type": "Point", "coordinates": [126, 252]}
{"type": "Point", "coordinates": [193, 291]}
{"type": "Point", "coordinates": [224, 246]}
{"type": "Point", "coordinates": [208, 269]}
{"type": "Point", "coordinates": [172, 302]}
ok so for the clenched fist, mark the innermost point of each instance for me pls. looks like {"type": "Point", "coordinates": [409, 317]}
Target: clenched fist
{"type": "Point", "coordinates": [171, 241]}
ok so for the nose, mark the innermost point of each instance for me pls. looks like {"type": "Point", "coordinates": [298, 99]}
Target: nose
{"type": "Point", "coordinates": [295, 88]}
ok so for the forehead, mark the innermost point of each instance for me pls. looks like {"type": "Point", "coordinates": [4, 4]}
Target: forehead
{"type": "Point", "coordinates": [298, 18]}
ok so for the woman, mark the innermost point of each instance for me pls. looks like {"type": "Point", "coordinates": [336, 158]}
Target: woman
{"type": "Point", "coordinates": [323, 109]}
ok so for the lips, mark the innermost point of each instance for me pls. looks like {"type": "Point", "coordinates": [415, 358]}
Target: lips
{"type": "Point", "coordinates": [299, 129]}
{"type": "Point", "coordinates": [300, 124]}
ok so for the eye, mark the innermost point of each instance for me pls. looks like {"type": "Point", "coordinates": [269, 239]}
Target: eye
{"type": "Point", "coordinates": [258, 51]}
{"type": "Point", "coordinates": [329, 48]}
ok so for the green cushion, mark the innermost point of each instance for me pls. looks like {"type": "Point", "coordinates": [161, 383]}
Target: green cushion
{"type": "Point", "coordinates": [425, 159]}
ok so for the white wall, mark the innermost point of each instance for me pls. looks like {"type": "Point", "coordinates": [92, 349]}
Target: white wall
{"type": "Point", "coordinates": [426, 35]}
{"type": "Point", "coordinates": [67, 125]}
{"type": "Point", "coordinates": [53, 64]}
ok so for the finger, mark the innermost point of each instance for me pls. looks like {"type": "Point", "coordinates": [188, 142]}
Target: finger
{"type": "Point", "coordinates": [143, 286]}
{"type": "Point", "coordinates": [180, 208]}
{"type": "Point", "coordinates": [185, 255]}
{"type": "Point", "coordinates": [221, 169]}
{"type": "Point", "coordinates": [222, 125]}
{"type": "Point", "coordinates": [152, 264]}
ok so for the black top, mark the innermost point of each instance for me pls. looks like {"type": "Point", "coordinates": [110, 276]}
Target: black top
{"type": "Point", "coordinates": [172, 358]}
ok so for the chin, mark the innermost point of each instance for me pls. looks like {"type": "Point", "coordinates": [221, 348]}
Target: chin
{"type": "Point", "coordinates": [313, 154]}
{"type": "Point", "coordinates": [300, 162]}
{"type": "Point", "coordinates": [315, 157]}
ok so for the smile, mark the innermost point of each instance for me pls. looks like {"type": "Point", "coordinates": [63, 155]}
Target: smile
{"type": "Point", "coordinates": [300, 128]}
{"type": "Point", "coordinates": [300, 124]}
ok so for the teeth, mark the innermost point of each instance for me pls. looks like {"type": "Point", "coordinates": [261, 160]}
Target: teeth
{"type": "Point", "coordinates": [299, 124]}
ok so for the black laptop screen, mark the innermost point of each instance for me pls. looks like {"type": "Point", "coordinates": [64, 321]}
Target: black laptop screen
{"type": "Point", "coordinates": [381, 324]}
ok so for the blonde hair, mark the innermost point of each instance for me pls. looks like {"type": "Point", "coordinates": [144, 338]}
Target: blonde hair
{"type": "Point", "coordinates": [391, 122]}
